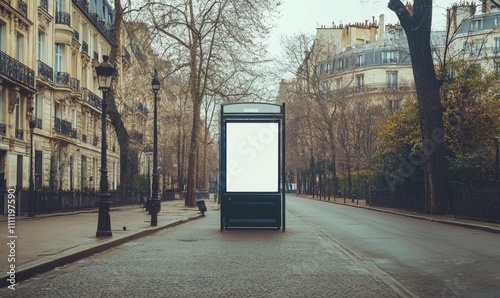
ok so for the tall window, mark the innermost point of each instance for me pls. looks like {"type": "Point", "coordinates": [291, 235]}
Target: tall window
{"type": "Point", "coordinates": [390, 56]}
{"type": "Point", "coordinates": [479, 47]}
{"type": "Point", "coordinates": [18, 123]}
{"type": "Point", "coordinates": [41, 47]}
{"type": "Point", "coordinates": [2, 36]}
{"type": "Point", "coordinates": [38, 106]}
{"type": "Point", "coordinates": [392, 80]}
{"type": "Point", "coordinates": [360, 83]}
{"type": "Point", "coordinates": [59, 5]}
{"type": "Point", "coordinates": [2, 110]}
{"type": "Point", "coordinates": [341, 64]}
{"type": "Point", "coordinates": [497, 67]}
{"type": "Point", "coordinates": [360, 61]}
{"type": "Point", "coordinates": [338, 82]}
{"type": "Point", "coordinates": [19, 47]}
{"type": "Point", "coordinates": [58, 49]}
{"type": "Point", "coordinates": [497, 45]}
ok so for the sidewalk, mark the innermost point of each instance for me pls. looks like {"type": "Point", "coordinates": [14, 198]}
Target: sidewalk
{"type": "Point", "coordinates": [445, 219]}
{"type": "Point", "coordinates": [47, 241]}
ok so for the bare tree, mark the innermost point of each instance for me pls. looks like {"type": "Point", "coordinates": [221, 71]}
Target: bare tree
{"type": "Point", "coordinates": [220, 39]}
{"type": "Point", "coordinates": [416, 21]}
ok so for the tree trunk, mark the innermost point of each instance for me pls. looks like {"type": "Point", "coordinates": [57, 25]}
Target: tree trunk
{"type": "Point", "coordinates": [417, 25]}
{"type": "Point", "coordinates": [116, 120]}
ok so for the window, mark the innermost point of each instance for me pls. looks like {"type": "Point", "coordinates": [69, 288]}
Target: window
{"type": "Point", "coordinates": [479, 47]}
{"type": "Point", "coordinates": [360, 83]}
{"type": "Point", "coordinates": [19, 117]}
{"type": "Point", "coordinates": [57, 110]}
{"type": "Point", "coordinates": [2, 108]}
{"type": "Point", "coordinates": [59, 5]}
{"type": "Point", "coordinates": [360, 61]}
{"type": "Point", "coordinates": [38, 107]}
{"type": "Point", "coordinates": [338, 82]}
{"type": "Point", "coordinates": [327, 68]}
{"type": "Point", "coordinates": [2, 34]}
{"type": "Point", "coordinates": [58, 49]}
{"type": "Point", "coordinates": [325, 89]}
{"type": "Point", "coordinates": [467, 48]}
{"type": "Point", "coordinates": [497, 22]}
{"type": "Point", "coordinates": [41, 48]}
{"type": "Point", "coordinates": [390, 57]}
{"type": "Point", "coordinates": [341, 64]}
{"type": "Point", "coordinates": [476, 25]}
{"type": "Point", "coordinates": [392, 80]}
{"type": "Point", "coordinates": [497, 67]}
{"type": "Point", "coordinates": [497, 45]}
{"type": "Point", "coordinates": [19, 47]}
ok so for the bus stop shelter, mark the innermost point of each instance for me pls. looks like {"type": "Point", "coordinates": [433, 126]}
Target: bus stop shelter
{"type": "Point", "coordinates": [252, 166]}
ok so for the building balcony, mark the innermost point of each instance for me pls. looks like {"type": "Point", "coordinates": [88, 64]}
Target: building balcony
{"type": "Point", "coordinates": [45, 71]}
{"type": "Point", "coordinates": [85, 47]}
{"type": "Point", "coordinates": [92, 99]}
{"type": "Point", "coordinates": [44, 4]}
{"type": "Point", "coordinates": [76, 36]}
{"type": "Point", "coordinates": [16, 71]}
{"type": "Point", "coordinates": [38, 123]}
{"type": "Point", "coordinates": [19, 134]}
{"type": "Point", "coordinates": [62, 79]}
{"type": "Point", "coordinates": [63, 18]}
{"type": "Point", "coordinates": [75, 85]}
{"type": "Point", "coordinates": [22, 7]}
{"type": "Point", "coordinates": [64, 127]}
{"type": "Point", "coordinates": [83, 5]}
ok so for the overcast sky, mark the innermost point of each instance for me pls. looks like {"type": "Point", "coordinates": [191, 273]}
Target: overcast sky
{"type": "Point", "coordinates": [304, 16]}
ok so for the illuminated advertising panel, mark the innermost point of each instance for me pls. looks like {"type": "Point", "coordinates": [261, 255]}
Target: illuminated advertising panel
{"type": "Point", "coordinates": [252, 156]}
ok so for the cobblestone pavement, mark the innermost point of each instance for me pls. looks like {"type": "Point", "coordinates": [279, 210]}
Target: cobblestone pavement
{"type": "Point", "coordinates": [197, 260]}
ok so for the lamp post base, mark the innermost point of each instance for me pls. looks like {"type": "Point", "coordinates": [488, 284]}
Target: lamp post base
{"type": "Point", "coordinates": [154, 211]}
{"type": "Point", "coordinates": [104, 220]}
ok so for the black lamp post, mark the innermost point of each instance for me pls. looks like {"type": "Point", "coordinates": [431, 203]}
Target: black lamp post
{"type": "Point", "coordinates": [155, 85]}
{"type": "Point", "coordinates": [31, 201]}
{"type": "Point", "coordinates": [105, 72]}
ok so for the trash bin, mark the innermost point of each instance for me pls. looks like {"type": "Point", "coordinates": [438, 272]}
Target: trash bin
{"type": "Point", "coordinates": [201, 206]}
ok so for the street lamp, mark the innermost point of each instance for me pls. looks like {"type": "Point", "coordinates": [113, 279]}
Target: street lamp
{"type": "Point", "coordinates": [31, 201]}
{"type": "Point", "coordinates": [105, 72]}
{"type": "Point", "coordinates": [155, 85]}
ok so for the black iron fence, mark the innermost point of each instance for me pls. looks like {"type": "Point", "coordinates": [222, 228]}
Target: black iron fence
{"type": "Point", "coordinates": [397, 200]}
{"type": "Point", "coordinates": [482, 204]}
{"type": "Point", "coordinates": [474, 204]}
{"type": "Point", "coordinates": [70, 201]}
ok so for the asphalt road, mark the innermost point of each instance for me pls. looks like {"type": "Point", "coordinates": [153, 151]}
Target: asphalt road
{"type": "Point", "coordinates": [328, 250]}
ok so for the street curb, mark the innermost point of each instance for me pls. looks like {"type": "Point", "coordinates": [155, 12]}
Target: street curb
{"type": "Point", "coordinates": [443, 221]}
{"type": "Point", "coordinates": [29, 272]}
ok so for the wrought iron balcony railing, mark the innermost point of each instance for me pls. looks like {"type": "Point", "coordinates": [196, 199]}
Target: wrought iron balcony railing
{"type": "Point", "coordinates": [38, 123]}
{"type": "Point", "coordinates": [93, 100]}
{"type": "Point", "coordinates": [45, 71]}
{"type": "Point", "coordinates": [85, 47]}
{"type": "Point", "coordinates": [17, 71]}
{"type": "Point", "coordinates": [75, 85]}
{"type": "Point", "coordinates": [63, 18]}
{"type": "Point", "coordinates": [62, 78]}
{"type": "Point", "coordinates": [19, 134]}
{"type": "Point", "coordinates": [22, 7]}
{"type": "Point", "coordinates": [83, 5]}
{"type": "Point", "coordinates": [76, 35]}
{"type": "Point", "coordinates": [44, 4]}
{"type": "Point", "coordinates": [64, 127]}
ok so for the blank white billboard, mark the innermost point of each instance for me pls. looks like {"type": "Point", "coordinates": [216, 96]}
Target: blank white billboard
{"type": "Point", "coordinates": [252, 157]}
